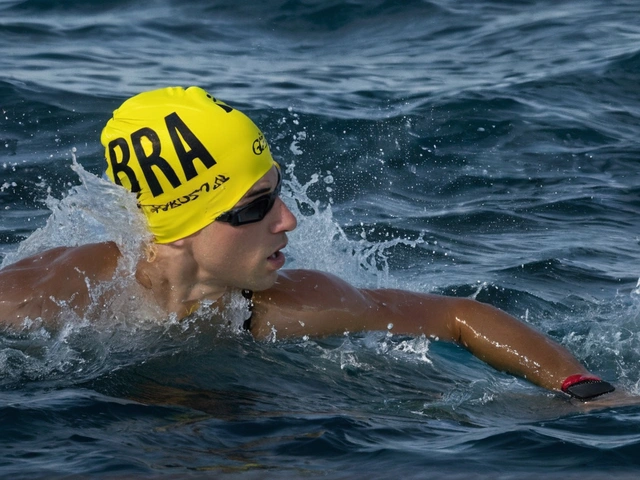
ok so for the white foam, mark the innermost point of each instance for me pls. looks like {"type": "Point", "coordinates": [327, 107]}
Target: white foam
{"type": "Point", "coordinates": [320, 243]}
{"type": "Point", "coordinates": [93, 211]}
{"type": "Point", "coordinates": [126, 329]}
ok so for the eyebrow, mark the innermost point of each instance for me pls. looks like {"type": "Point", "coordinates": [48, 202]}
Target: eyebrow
{"type": "Point", "coordinates": [262, 191]}
{"type": "Point", "coordinates": [257, 193]}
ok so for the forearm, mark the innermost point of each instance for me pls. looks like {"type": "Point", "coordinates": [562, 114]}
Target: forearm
{"type": "Point", "coordinates": [492, 335]}
{"type": "Point", "coordinates": [510, 345]}
{"type": "Point", "coordinates": [317, 304]}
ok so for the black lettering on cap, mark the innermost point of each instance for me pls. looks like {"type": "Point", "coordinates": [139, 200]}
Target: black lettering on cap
{"type": "Point", "coordinates": [122, 166]}
{"type": "Point", "coordinates": [259, 145]}
{"type": "Point", "coordinates": [153, 159]}
{"type": "Point", "coordinates": [177, 128]}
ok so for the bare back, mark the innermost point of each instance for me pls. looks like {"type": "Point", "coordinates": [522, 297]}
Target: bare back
{"type": "Point", "coordinates": [41, 285]}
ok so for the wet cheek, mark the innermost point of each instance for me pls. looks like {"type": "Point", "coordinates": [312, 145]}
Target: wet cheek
{"type": "Point", "coordinates": [243, 247]}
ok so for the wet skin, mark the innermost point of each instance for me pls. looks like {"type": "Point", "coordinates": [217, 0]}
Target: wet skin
{"type": "Point", "coordinates": [295, 303]}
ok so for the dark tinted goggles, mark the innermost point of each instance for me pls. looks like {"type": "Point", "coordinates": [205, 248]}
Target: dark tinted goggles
{"type": "Point", "coordinates": [253, 211]}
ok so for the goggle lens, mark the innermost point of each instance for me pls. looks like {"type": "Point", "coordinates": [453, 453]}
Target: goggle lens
{"type": "Point", "coordinates": [253, 211]}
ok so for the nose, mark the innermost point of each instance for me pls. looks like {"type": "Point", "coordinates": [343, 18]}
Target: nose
{"type": "Point", "coordinates": [286, 221]}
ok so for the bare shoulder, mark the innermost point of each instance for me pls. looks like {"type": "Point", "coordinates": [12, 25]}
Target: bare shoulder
{"type": "Point", "coordinates": [308, 302]}
{"type": "Point", "coordinates": [35, 286]}
{"type": "Point", "coordinates": [94, 260]}
{"type": "Point", "coordinates": [306, 288]}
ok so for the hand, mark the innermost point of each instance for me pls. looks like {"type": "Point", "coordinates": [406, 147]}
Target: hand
{"type": "Point", "coordinates": [619, 398]}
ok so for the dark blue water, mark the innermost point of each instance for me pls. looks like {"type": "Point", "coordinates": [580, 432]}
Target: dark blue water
{"type": "Point", "coordinates": [472, 148]}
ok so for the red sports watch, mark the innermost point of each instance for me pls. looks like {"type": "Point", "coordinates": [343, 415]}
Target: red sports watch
{"type": "Point", "coordinates": [586, 387]}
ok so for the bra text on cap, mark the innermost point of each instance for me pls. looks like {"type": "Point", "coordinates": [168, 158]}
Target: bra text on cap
{"type": "Point", "coordinates": [177, 129]}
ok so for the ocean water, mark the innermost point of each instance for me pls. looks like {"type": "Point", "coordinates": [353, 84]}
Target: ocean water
{"type": "Point", "coordinates": [484, 149]}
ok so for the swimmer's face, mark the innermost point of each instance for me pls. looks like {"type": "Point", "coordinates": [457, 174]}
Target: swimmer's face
{"type": "Point", "coordinates": [249, 255]}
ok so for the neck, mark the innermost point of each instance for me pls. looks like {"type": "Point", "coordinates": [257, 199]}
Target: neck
{"type": "Point", "coordinates": [172, 277]}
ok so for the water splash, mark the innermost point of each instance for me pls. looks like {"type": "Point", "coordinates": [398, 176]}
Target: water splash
{"type": "Point", "coordinates": [635, 293]}
{"type": "Point", "coordinates": [126, 330]}
{"type": "Point", "coordinates": [320, 243]}
{"type": "Point", "coordinates": [94, 211]}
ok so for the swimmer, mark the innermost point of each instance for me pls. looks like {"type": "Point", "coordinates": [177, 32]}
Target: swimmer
{"type": "Point", "coordinates": [208, 186]}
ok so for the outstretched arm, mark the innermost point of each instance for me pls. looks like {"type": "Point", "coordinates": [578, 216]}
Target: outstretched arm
{"type": "Point", "coordinates": [318, 304]}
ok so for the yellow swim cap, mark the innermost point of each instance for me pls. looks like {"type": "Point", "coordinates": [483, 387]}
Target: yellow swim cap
{"type": "Point", "coordinates": [188, 157]}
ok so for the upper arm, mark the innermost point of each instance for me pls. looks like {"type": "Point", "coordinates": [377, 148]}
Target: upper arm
{"type": "Point", "coordinates": [304, 302]}
{"type": "Point", "coordinates": [316, 304]}
{"type": "Point", "coordinates": [38, 285]}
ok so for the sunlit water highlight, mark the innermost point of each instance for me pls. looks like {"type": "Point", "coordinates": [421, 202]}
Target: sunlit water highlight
{"type": "Point", "coordinates": [475, 149]}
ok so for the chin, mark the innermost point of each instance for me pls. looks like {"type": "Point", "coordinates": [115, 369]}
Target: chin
{"type": "Point", "coordinates": [264, 283]}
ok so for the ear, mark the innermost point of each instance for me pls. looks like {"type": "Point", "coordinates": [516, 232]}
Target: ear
{"type": "Point", "coordinates": [180, 245]}
{"type": "Point", "coordinates": [168, 250]}
{"type": "Point", "coordinates": [183, 242]}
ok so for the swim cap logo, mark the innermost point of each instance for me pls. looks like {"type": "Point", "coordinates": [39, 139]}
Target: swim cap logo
{"type": "Point", "coordinates": [178, 202]}
{"type": "Point", "coordinates": [259, 145]}
{"type": "Point", "coordinates": [180, 136]}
